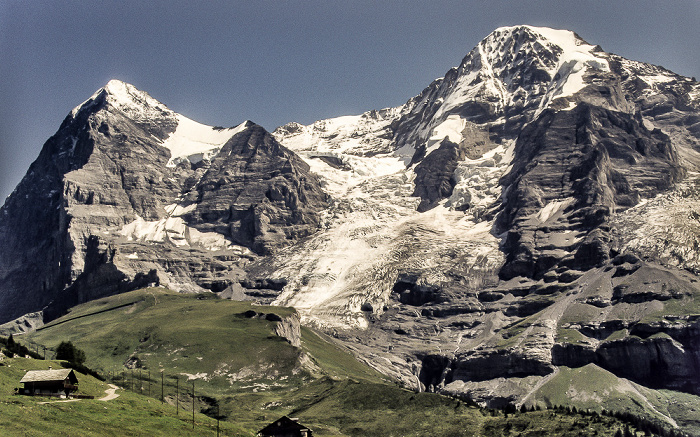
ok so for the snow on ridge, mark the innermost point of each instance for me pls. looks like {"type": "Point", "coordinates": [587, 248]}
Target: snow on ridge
{"type": "Point", "coordinates": [566, 39]}
{"type": "Point", "coordinates": [360, 142]}
{"type": "Point", "coordinates": [124, 94]}
{"type": "Point", "coordinates": [193, 141]}
{"type": "Point", "coordinates": [576, 57]}
{"type": "Point", "coordinates": [127, 98]}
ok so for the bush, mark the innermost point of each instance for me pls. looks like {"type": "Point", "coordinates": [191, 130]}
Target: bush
{"type": "Point", "coordinates": [68, 352]}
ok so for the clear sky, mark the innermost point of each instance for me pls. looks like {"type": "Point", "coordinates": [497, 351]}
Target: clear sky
{"type": "Point", "coordinates": [276, 61]}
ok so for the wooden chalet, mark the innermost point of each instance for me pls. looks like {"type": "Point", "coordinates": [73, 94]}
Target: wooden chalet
{"type": "Point", "coordinates": [49, 382]}
{"type": "Point", "coordinates": [285, 427]}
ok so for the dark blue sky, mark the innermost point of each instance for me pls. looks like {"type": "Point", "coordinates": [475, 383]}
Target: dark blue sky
{"type": "Point", "coordinates": [222, 62]}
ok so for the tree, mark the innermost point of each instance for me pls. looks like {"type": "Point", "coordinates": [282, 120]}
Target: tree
{"type": "Point", "coordinates": [67, 351]}
{"type": "Point", "coordinates": [511, 408]}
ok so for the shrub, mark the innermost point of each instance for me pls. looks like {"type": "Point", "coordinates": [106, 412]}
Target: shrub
{"type": "Point", "coordinates": [68, 352]}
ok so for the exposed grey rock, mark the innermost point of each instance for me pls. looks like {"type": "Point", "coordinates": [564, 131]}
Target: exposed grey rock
{"type": "Point", "coordinates": [26, 323]}
{"type": "Point", "coordinates": [602, 159]}
{"type": "Point", "coordinates": [290, 329]}
{"type": "Point", "coordinates": [106, 168]}
{"type": "Point", "coordinates": [258, 192]}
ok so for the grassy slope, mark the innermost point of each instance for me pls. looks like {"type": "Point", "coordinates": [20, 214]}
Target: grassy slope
{"type": "Point", "coordinates": [128, 415]}
{"type": "Point", "coordinates": [358, 409]}
{"type": "Point", "coordinates": [256, 377]}
{"type": "Point", "coordinates": [593, 388]}
{"type": "Point", "coordinates": [178, 333]}
{"type": "Point", "coordinates": [330, 407]}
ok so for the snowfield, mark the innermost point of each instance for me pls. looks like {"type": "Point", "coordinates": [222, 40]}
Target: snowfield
{"type": "Point", "coordinates": [194, 141]}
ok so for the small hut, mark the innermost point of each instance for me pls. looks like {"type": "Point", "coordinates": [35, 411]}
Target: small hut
{"type": "Point", "coordinates": [49, 382]}
{"type": "Point", "coordinates": [285, 427]}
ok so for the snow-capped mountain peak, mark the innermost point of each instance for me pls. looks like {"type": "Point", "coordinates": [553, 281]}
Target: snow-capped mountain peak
{"type": "Point", "coordinates": [513, 65]}
{"type": "Point", "coordinates": [508, 49]}
{"type": "Point", "coordinates": [136, 104]}
{"type": "Point", "coordinates": [187, 140]}
{"type": "Point", "coordinates": [534, 208]}
{"type": "Point", "coordinates": [124, 94]}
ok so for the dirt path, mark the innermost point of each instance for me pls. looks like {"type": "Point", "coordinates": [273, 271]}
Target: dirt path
{"type": "Point", "coordinates": [539, 385]}
{"type": "Point", "coordinates": [110, 393]}
{"type": "Point", "coordinates": [633, 388]}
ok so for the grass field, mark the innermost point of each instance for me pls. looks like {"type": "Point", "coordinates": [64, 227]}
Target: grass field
{"type": "Point", "coordinates": [128, 415]}
{"type": "Point", "coordinates": [593, 388]}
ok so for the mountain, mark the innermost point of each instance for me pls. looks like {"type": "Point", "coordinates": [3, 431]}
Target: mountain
{"type": "Point", "coordinates": [128, 193]}
{"type": "Point", "coordinates": [532, 212]}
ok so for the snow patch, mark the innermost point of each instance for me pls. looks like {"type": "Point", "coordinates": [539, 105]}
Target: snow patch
{"type": "Point", "coordinates": [194, 142]}
{"type": "Point", "coordinates": [191, 376]}
{"type": "Point", "coordinates": [174, 229]}
{"type": "Point", "coordinates": [451, 129]}
{"type": "Point", "coordinates": [553, 207]}
{"type": "Point", "coordinates": [656, 79]}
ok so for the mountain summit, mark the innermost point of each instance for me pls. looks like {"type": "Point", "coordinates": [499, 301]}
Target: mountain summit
{"type": "Point", "coordinates": [531, 212]}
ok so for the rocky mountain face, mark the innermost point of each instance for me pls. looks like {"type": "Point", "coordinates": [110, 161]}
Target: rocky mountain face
{"type": "Point", "coordinates": [553, 190]}
{"type": "Point", "coordinates": [533, 211]}
{"type": "Point", "coordinates": [128, 193]}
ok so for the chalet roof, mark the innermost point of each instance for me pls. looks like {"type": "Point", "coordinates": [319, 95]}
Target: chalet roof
{"type": "Point", "coordinates": [284, 423]}
{"type": "Point", "coordinates": [49, 375]}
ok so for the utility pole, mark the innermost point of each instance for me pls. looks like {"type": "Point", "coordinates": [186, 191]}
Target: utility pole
{"type": "Point", "coordinates": [162, 392]}
{"type": "Point", "coordinates": [193, 404]}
